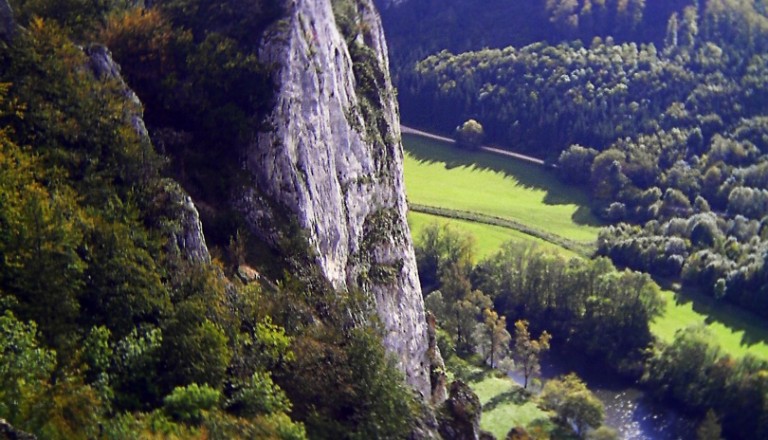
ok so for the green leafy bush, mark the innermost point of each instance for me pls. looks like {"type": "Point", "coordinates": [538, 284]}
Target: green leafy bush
{"type": "Point", "coordinates": [189, 403]}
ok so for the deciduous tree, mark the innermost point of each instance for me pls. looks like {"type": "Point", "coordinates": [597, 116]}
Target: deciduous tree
{"type": "Point", "coordinates": [527, 351]}
{"type": "Point", "coordinates": [492, 337]}
{"type": "Point", "coordinates": [570, 398]}
{"type": "Point", "coordinates": [470, 134]}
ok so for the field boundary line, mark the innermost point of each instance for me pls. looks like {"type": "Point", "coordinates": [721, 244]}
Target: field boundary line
{"type": "Point", "coordinates": [581, 248]}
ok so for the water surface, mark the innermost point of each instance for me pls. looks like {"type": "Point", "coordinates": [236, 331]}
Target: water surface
{"type": "Point", "coordinates": [628, 409]}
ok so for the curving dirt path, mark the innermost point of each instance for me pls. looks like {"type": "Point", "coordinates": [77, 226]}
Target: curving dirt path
{"type": "Point", "coordinates": [490, 149]}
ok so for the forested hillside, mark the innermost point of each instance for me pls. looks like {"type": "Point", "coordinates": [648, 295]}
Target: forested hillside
{"type": "Point", "coordinates": [670, 136]}
{"type": "Point", "coordinates": [115, 319]}
{"type": "Point", "coordinates": [418, 28]}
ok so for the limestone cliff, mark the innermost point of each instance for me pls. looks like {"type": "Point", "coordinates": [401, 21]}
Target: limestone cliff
{"type": "Point", "coordinates": [185, 233]}
{"type": "Point", "coordinates": [332, 159]}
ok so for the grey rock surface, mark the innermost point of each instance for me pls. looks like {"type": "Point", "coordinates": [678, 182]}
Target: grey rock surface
{"type": "Point", "coordinates": [437, 375]}
{"type": "Point", "coordinates": [460, 416]}
{"type": "Point", "coordinates": [318, 159]}
{"type": "Point", "coordinates": [186, 234]}
{"type": "Point", "coordinates": [8, 432]}
{"type": "Point", "coordinates": [104, 67]}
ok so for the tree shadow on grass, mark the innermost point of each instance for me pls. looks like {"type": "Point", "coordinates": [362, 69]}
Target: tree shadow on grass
{"type": "Point", "coordinates": [516, 396]}
{"type": "Point", "coordinates": [527, 175]}
{"type": "Point", "coordinates": [735, 318]}
{"type": "Point", "coordinates": [432, 151]}
{"type": "Point", "coordinates": [475, 376]}
{"type": "Point", "coordinates": [584, 216]}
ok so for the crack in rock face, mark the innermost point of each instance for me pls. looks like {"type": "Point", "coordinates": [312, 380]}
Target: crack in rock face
{"type": "Point", "coordinates": [339, 172]}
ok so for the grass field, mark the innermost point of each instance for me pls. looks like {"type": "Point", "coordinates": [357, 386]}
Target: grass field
{"type": "Point", "coordinates": [505, 404]}
{"type": "Point", "coordinates": [737, 331]}
{"type": "Point", "coordinates": [438, 174]}
{"type": "Point", "coordinates": [488, 238]}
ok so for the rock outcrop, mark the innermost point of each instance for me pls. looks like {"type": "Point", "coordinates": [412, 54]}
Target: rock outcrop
{"type": "Point", "coordinates": [186, 231]}
{"type": "Point", "coordinates": [437, 374]}
{"type": "Point", "coordinates": [460, 416]}
{"type": "Point", "coordinates": [8, 432]}
{"type": "Point", "coordinates": [104, 67]}
{"type": "Point", "coordinates": [332, 160]}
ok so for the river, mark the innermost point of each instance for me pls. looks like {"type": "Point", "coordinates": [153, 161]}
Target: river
{"type": "Point", "coordinates": [627, 408]}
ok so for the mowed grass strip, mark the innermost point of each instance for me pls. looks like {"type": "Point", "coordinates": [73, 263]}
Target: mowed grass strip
{"type": "Point", "coordinates": [440, 175]}
{"type": "Point", "coordinates": [488, 238]}
{"type": "Point", "coordinates": [573, 246]}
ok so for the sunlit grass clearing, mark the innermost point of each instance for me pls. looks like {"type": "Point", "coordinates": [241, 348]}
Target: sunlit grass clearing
{"type": "Point", "coordinates": [439, 174]}
{"type": "Point", "coordinates": [488, 238]}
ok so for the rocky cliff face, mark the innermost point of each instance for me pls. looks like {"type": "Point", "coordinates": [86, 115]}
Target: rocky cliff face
{"type": "Point", "coordinates": [186, 233]}
{"type": "Point", "coordinates": [332, 159]}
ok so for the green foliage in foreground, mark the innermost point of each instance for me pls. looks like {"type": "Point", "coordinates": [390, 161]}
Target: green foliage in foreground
{"type": "Point", "coordinates": [109, 327]}
{"type": "Point", "coordinates": [188, 403]}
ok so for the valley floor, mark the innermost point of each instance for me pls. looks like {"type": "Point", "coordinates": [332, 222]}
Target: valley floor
{"type": "Point", "coordinates": [498, 199]}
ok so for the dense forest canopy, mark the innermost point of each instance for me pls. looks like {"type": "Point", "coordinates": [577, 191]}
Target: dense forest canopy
{"type": "Point", "coordinates": [418, 28]}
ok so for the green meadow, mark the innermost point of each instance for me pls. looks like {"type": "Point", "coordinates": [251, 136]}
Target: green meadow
{"type": "Point", "coordinates": [505, 404]}
{"type": "Point", "coordinates": [737, 331]}
{"type": "Point", "coordinates": [488, 238]}
{"type": "Point", "coordinates": [440, 175]}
